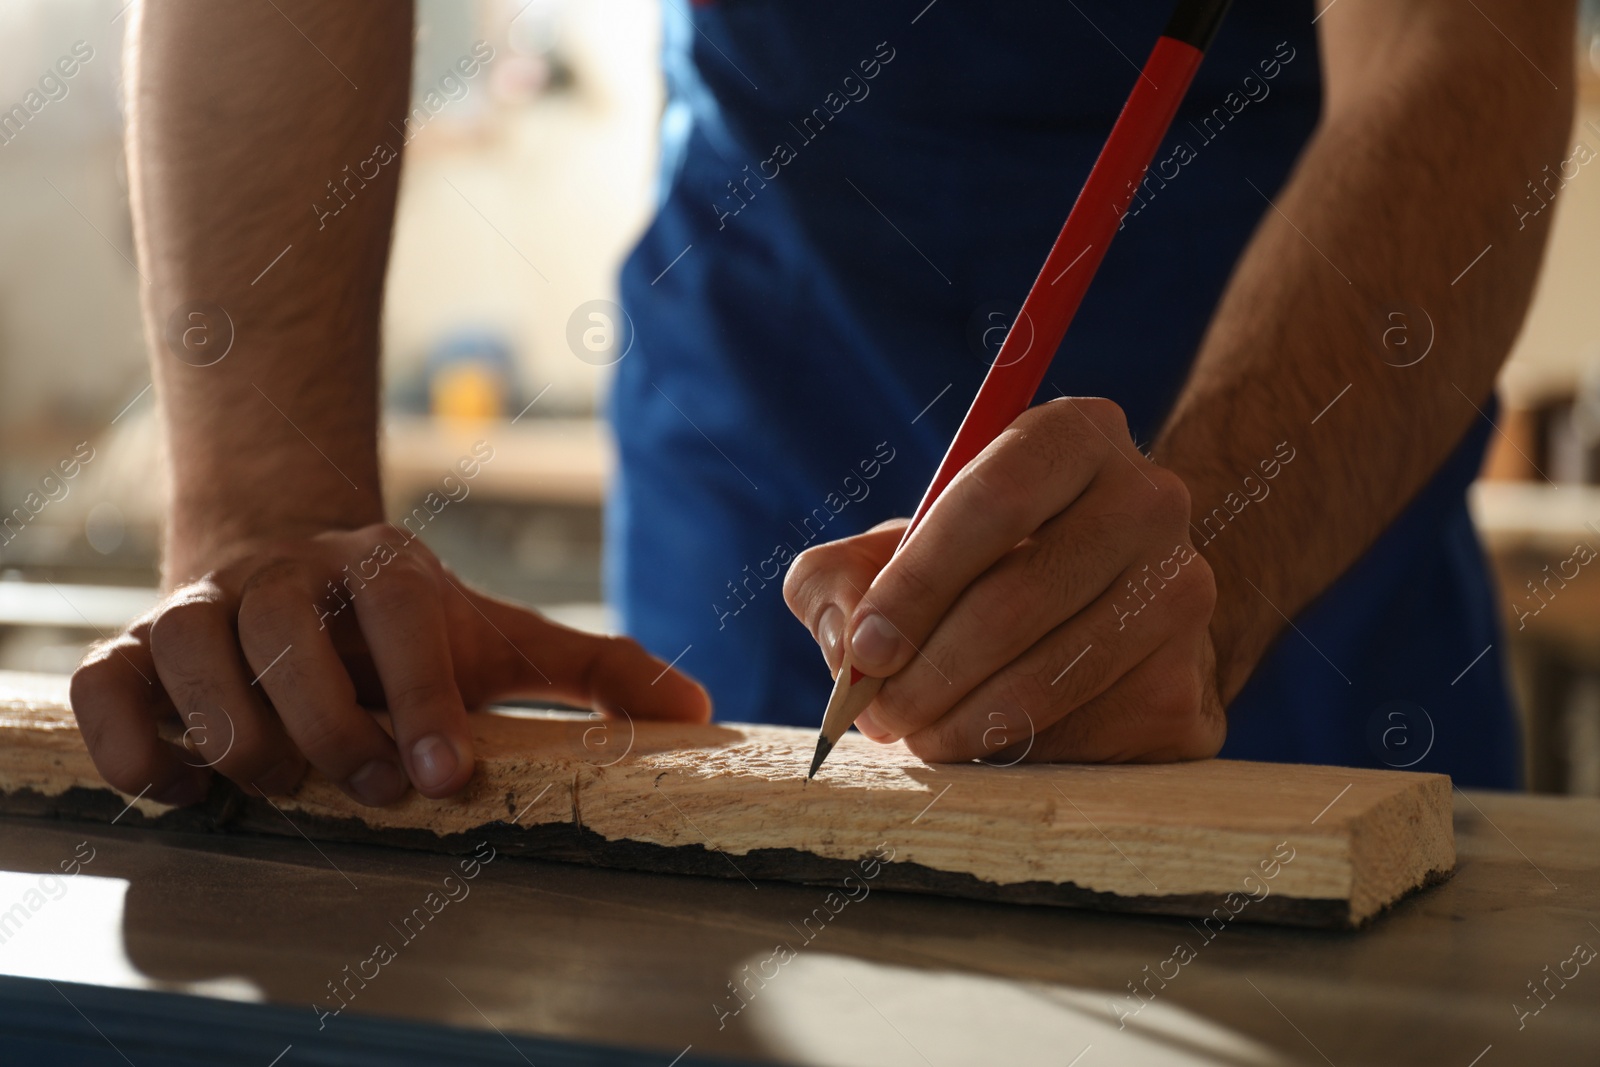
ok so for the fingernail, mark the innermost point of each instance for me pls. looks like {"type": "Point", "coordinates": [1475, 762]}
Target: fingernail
{"type": "Point", "coordinates": [190, 789]}
{"type": "Point", "coordinates": [378, 783]}
{"type": "Point", "coordinates": [830, 628]}
{"type": "Point", "coordinates": [282, 779]}
{"type": "Point", "coordinates": [433, 762]}
{"type": "Point", "coordinates": [868, 725]}
{"type": "Point", "coordinates": [875, 644]}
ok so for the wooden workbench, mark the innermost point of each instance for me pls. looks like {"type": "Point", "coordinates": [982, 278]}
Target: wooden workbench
{"type": "Point", "coordinates": [586, 958]}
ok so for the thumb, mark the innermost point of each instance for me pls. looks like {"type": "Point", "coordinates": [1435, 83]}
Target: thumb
{"type": "Point", "coordinates": [825, 583]}
{"type": "Point", "coordinates": [610, 674]}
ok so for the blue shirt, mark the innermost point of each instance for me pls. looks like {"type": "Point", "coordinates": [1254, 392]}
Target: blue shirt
{"type": "Point", "coordinates": [855, 198]}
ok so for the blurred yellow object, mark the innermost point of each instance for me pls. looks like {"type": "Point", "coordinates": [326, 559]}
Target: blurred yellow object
{"type": "Point", "coordinates": [467, 392]}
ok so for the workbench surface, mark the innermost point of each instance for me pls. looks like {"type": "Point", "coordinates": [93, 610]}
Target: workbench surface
{"type": "Point", "coordinates": [611, 958]}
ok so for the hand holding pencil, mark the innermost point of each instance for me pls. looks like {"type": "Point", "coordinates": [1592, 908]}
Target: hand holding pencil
{"type": "Point", "coordinates": [1050, 606]}
{"type": "Point", "coordinates": [1020, 366]}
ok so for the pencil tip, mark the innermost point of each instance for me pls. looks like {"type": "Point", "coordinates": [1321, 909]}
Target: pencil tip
{"type": "Point", "coordinates": [824, 746]}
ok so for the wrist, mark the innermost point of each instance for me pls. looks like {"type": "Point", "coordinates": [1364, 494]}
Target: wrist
{"type": "Point", "coordinates": [207, 530]}
{"type": "Point", "coordinates": [1243, 626]}
{"type": "Point", "coordinates": [1243, 622]}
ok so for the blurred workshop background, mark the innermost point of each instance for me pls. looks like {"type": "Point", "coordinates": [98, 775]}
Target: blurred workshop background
{"type": "Point", "coordinates": [552, 148]}
{"type": "Point", "coordinates": [548, 153]}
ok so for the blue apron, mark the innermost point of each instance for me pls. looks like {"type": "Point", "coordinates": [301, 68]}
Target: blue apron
{"type": "Point", "coordinates": [855, 198]}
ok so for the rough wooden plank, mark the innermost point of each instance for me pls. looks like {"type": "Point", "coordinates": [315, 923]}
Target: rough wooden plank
{"type": "Point", "coordinates": [1302, 845]}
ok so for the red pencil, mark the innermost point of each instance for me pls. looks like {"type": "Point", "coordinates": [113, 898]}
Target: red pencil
{"type": "Point", "coordinates": [1019, 368]}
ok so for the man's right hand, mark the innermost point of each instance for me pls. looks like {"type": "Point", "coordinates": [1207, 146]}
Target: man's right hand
{"type": "Point", "coordinates": [278, 657]}
{"type": "Point", "coordinates": [261, 653]}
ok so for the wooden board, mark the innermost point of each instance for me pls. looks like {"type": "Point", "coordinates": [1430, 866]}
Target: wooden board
{"type": "Point", "coordinates": [1233, 841]}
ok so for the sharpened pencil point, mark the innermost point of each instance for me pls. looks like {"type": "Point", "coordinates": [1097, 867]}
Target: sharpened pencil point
{"type": "Point", "coordinates": [824, 746]}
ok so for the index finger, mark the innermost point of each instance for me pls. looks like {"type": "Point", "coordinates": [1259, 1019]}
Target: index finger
{"type": "Point", "coordinates": [825, 583]}
{"type": "Point", "coordinates": [404, 626]}
{"type": "Point", "coordinates": [1040, 464]}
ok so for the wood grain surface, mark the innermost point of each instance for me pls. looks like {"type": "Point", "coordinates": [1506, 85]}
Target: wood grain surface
{"type": "Point", "coordinates": [1220, 840]}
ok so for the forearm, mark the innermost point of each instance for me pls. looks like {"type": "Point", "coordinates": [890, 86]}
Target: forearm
{"type": "Point", "coordinates": [1414, 171]}
{"type": "Point", "coordinates": [240, 115]}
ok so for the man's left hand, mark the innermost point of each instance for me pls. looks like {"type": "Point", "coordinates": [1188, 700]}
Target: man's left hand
{"type": "Point", "coordinates": [1050, 606]}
